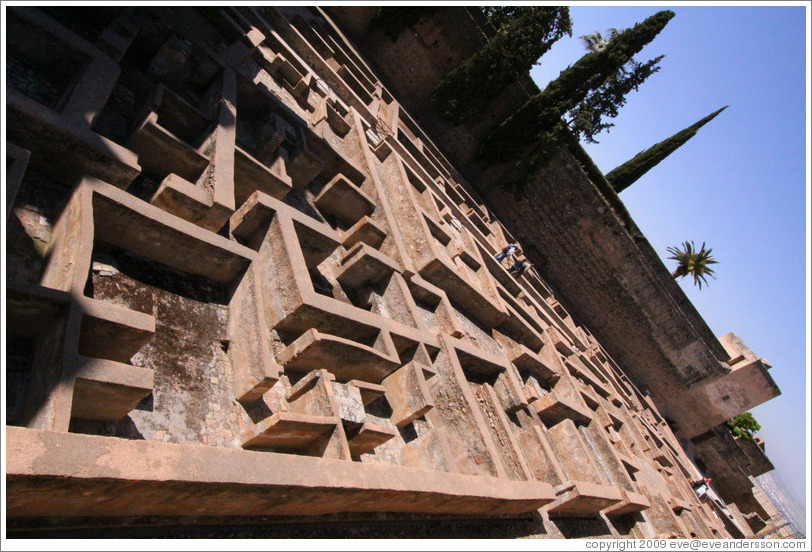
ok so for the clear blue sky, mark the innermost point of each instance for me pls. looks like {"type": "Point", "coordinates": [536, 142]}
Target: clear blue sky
{"type": "Point", "coordinates": [740, 184]}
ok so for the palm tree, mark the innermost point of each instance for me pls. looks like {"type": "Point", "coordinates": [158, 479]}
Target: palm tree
{"type": "Point", "coordinates": [694, 263]}
{"type": "Point", "coordinates": [594, 42]}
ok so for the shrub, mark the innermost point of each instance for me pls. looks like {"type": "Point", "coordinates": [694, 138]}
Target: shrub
{"type": "Point", "coordinates": [743, 426]}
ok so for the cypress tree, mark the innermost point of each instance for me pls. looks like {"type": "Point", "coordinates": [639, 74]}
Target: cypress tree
{"type": "Point", "coordinates": [524, 34]}
{"type": "Point", "coordinates": [625, 175]}
{"type": "Point", "coordinates": [587, 117]}
{"type": "Point", "coordinates": [544, 111]}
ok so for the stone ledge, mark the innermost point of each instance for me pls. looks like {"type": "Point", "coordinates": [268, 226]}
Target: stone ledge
{"type": "Point", "coordinates": [150, 478]}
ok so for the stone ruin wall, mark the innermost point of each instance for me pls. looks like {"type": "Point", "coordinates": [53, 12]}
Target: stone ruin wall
{"type": "Point", "coordinates": [239, 284]}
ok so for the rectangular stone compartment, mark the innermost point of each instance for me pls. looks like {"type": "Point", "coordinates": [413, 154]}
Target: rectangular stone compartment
{"type": "Point", "coordinates": [554, 407]}
{"type": "Point", "coordinates": [161, 153]}
{"type": "Point", "coordinates": [345, 359]}
{"type": "Point", "coordinates": [408, 394]}
{"type": "Point", "coordinates": [290, 431]}
{"type": "Point", "coordinates": [31, 308]}
{"type": "Point", "coordinates": [41, 65]}
{"type": "Point", "coordinates": [580, 498]}
{"type": "Point", "coordinates": [368, 437]}
{"type": "Point", "coordinates": [106, 390]}
{"type": "Point", "coordinates": [179, 117]}
{"type": "Point", "coordinates": [529, 362]}
{"type": "Point", "coordinates": [344, 200]}
{"type": "Point", "coordinates": [366, 231]}
{"type": "Point", "coordinates": [251, 175]}
{"type": "Point", "coordinates": [632, 502]}
{"type": "Point", "coordinates": [125, 221]}
{"type": "Point", "coordinates": [363, 265]}
{"type": "Point", "coordinates": [112, 332]}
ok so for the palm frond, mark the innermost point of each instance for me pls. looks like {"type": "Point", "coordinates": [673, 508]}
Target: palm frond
{"type": "Point", "coordinates": [693, 262]}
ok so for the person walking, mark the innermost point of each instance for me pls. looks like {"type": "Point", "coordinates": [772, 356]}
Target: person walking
{"type": "Point", "coordinates": [700, 482]}
{"type": "Point", "coordinates": [701, 487]}
{"type": "Point", "coordinates": [518, 268]}
{"type": "Point", "coordinates": [508, 250]}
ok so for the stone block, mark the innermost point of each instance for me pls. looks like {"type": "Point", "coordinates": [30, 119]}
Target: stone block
{"type": "Point", "coordinates": [578, 365]}
{"type": "Point", "coordinates": [283, 68]}
{"type": "Point", "coordinates": [269, 134]}
{"type": "Point", "coordinates": [357, 85]}
{"type": "Point", "coordinates": [577, 459]}
{"type": "Point", "coordinates": [678, 505]}
{"type": "Point", "coordinates": [631, 464]}
{"type": "Point", "coordinates": [252, 362]}
{"type": "Point", "coordinates": [381, 147]}
{"type": "Point", "coordinates": [521, 322]}
{"type": "Point", "coordinates": [179, 117]}
{"type": "Point", "coordinates": [307, 383]}
{"type": "Point", "coordinates": [533, 391]}
{"type": "Point", "coordinates": [190, 202]}
{"type": "Point", "coordinates": [484, 306]}
{"type": "Point", "coordinates": [304, 165]}
{"type": "Point", "coordinates": [528, 362]}
{"type": "Point", "coordinates": [337, 121]}
{"type": "Point", "coordinates": [508, 387]}
{"type": "Point", "coordinates": [589, 398]}
{"type": "Point", "coordinates": [70, 148]}
{"type": "Point", "coordinates": [476, 361]}
{"type": "Point", "coordinates": [116, 39]}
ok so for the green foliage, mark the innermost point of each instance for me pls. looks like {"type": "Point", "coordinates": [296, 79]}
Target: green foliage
{"type": "Point", "coordinates": [743, 426]}
{"type": "Point", "coordinates": [692, 262]}
{"type": "Point", "coordinates": [500, 16]}
{"type": "Point", "coordinates": [503, 17]}
{"type": "Point", "coordinates": [524, 34]}
{"type": "Point", "coordinates": [394, 20]}
{"type": "Point", "coordinates": [629, 172]}
{"type": "Point", "coordinates": [544, 111]}
{"type": "Point", "coordinates": [586, 119]}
